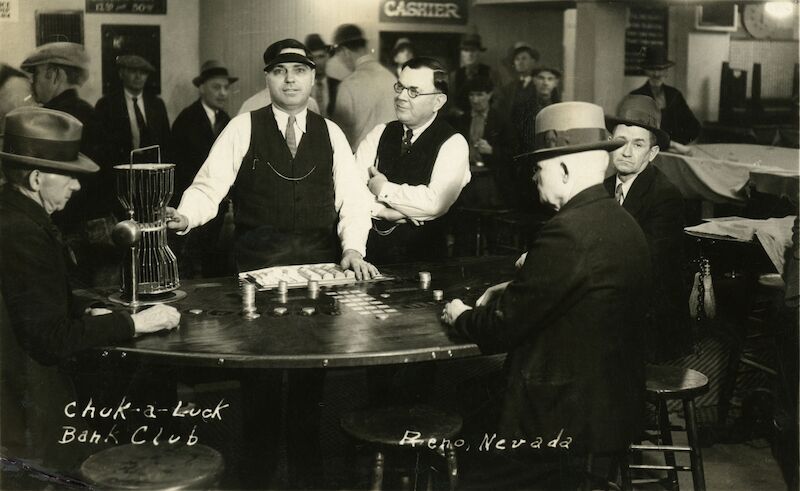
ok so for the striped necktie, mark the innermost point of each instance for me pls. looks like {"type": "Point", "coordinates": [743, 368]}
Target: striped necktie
{"type": "Point", "coordinates": [618, 195]}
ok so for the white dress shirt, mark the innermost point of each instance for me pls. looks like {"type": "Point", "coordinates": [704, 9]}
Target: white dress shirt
{"type": "Point", "coordinates": [135, 136]}
{"type": "Point", "coordinates": [211, 113]}
{"type": "Point", "coordinates": [425, 201]}
{"type": "Point", "coordinates": [200, 201]}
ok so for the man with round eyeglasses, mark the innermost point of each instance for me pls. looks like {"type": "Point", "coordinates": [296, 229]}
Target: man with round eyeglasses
{"type": "Point", "coordinates": [415, 168]}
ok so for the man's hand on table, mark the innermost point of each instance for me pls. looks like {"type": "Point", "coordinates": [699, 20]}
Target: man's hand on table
{"type": "Point", "coordinates": [452, 310]}
{"type": "Point", "coordinates": [155, 319]}
{"type": "Point", "coordinates": [353, 260]}
{"type": "Point", "coordinates": [176, 221]}
{"type": "Point", "coordinates": [491, 293]}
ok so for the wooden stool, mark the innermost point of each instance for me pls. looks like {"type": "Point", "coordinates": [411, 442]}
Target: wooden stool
{"type": "Point", "coordinates": [146, 466]}
{"type": "Point", "coordinates": [666, 383]}
{"type": "Point", "coordinates": [387, 427]}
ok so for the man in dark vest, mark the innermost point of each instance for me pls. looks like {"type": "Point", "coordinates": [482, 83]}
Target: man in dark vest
{"type": "Point", "coordinates": [297, 199]}
{"type": "Point", "coordinates": [417, 167]}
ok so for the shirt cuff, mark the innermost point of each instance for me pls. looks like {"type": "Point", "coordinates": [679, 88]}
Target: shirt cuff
{"type": "Point", "coordinates": [387, 190]}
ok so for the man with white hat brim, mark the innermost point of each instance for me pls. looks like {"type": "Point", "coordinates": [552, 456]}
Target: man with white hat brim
{"type": "Point", "coordinates": [571, 318]}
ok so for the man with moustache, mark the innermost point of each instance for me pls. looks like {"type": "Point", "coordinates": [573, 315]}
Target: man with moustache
{"type": "Point", "coordinates": [571, 318]}
{"type": "Point", "coordinates": [297, 199]}
{"type": "Point", "coordinates": [193, 133]}
{"type": "Point", "coordinates": [657, 205]}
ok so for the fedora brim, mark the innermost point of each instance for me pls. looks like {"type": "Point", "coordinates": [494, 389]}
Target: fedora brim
{"type": "Point", "coordinates": [662, 136]}
{"type": "Point", "coordinates": [81, 165]}
{"type": "Point", "coordinates": [548, 153]}
{"type": "Point", "coordinates": [199, 80]}
{"type": "Point", "coordinates": [659, 66]}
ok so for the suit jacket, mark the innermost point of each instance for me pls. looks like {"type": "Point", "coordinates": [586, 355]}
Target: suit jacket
{"type": "Point", "coordinates": [571, 323]}
{"type": "Point", "coordinates": [45, 326]}
{"type": "Point", "coordinates": [113, 116]}
{"type": "Point", "coordinates": [657, 206]}
{"type": "Point", "coordinates": [364, 100]}
{"type": "Point", "coordinates": [192, 138]}
{"type": "Point", "coordinates": [677, 118]}
{"type": "Point", "coordinates": [83, 205]}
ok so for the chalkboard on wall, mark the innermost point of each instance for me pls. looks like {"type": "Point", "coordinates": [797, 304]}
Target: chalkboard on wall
{"type": "Point", "coordinates": [646, 27]}
{"type": "Point", "coordinates": [154, 7]}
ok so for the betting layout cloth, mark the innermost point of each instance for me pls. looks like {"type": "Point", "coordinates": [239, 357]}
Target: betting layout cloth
{"type": "Point", "coordinates": [298, 275]}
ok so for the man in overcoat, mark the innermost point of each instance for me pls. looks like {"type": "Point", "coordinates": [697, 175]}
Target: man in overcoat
{"type": "Point", "coordinates": [657, 206]}
{"type": "Point", "coordinates": [571, 318]}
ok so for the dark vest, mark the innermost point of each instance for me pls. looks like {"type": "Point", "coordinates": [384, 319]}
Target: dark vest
{"type": "Point", "coordinates": [284, 207]}
{"type": "Point", "coordinates": [408, 242]}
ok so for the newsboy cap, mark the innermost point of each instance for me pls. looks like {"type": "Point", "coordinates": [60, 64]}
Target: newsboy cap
{"type": "Point", "coordinates": [45, 139]}
{"type": "Point", "coordinates": [135, 62]}
{"type": "Point", "coordinates": [287, 51]}
{"type": "Point", "coordinates": [569, 127]}
{"type": "Point", "coordinates": [61, 53]}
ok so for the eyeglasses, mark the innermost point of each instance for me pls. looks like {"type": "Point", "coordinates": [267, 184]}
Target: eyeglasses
{"type": "Point", "coordinates": [413, 92]}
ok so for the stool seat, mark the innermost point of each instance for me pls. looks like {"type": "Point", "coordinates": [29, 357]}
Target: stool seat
{"type": "Point", "coordinates": [667, 382]}
{"type": "Point", "coordinates": [388, 425]}
{"type": "Point", "coordinates": [146, 466]}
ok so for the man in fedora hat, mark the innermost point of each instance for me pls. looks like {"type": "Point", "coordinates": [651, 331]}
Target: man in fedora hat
{"type": "Point", "coordinates": [514, 98]}
{"type": "Point", "coordinates": [657, 206]}
{"type": "Point", "coordinates": [364, 99]}
{"type": "Point", "coordinates": [402, 51]}
{"type": "Point", "coordinates": [46, 325]}
{"type": "Point", "coordinates": [193, 133]}
{"type": "Point", "coordinates": [470, 67]}
{"type": "Point", "coordinates": [132, 117]}
{"type": "Point", "coordinates": [297, 199]}
{"type": "Point", "coordinates": [571, 318]}
{"type": "Point", "coordinates": [325, 88]}
{"type": "Point", "coordinates": [677, 119]}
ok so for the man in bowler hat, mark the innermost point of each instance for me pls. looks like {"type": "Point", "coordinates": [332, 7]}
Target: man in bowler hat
{"type": "Point", "coordinates": [571, 318]}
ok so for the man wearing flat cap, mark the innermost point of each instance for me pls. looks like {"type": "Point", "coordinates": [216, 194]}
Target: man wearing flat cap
{"type": "Point", "coordinates": [364, 98]}
{"type": "Point", "coordinates": [571, 318]}
{"type": "Point", "coordinates": [46, 325]}
{"type": "Point", "coordinates": [193, 133]}
{"type": "Point", "coordinates": [657, 206]}
{"type": "Point", "coordinates": [58, 72]}
{"type": "Point", "coordinates": [132, 117]}
{"type": "Point", "coordinates": [297, 199]}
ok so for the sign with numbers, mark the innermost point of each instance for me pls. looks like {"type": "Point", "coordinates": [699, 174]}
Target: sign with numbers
{"type": "Point", "coordinates": [154, 7]}
{"type": "Point", "coordinates": [9, 10]}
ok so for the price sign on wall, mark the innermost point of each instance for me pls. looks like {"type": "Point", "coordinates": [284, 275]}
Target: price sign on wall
{"type": "Point", "coordinates": [646, 27]}
{"type": "Point", "coordinates": [155, 7]}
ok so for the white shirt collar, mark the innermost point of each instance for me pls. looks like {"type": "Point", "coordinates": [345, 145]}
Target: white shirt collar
{"type": "Point", "coordinates": [130, 95]}
{"type": "Point", "coordinates": [626, 186]}
{"type": "Point", "coordinates": [421, 129]}
{"type": "Point", "coordinates": [211, 113]}
{"type": "Point", "coordinates": [282, 118]}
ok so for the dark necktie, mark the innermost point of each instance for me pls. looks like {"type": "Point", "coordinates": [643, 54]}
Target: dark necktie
{"type": "Point", "coordinates": [291, 140]}
{"type": "Point", "coordinates": [219, 124]}
{"type": "Point", "coordinates": [144, 138]}
{"type": "Point", "coordinates": [618, 193]}
{"type": "Point", "coordinates": [406, 146]}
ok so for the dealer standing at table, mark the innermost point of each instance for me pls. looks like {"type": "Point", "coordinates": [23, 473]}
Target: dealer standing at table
{"type": "Point", "coordinates": [417, 167]}
{"type": "Point", "coordinates": [657, 206]}
{"type": "Point", "coordinates": [572, 317]}
{"type": "Point", "coordinates": [294, 183]}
